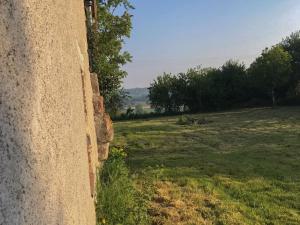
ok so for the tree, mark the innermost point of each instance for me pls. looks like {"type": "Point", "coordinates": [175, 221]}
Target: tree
{"type": "Point", "coordinates": [211, 88]}
{"type": "Point", "coordinates": [200, 89]}
{"type": "Point", "coordinates": [116, 101]}
{"type": "Point", "coordinates": [232, 84]}
{"type": "Point", "coordinates": [268, 80]}
{"type": "Point", "coordinates": [139, 109]}
{"type": "Point", "coordinates": [272, 70]}
{"type": "Point", "coordinates": [292, 45]}
{"type": "Point", "coordinates": [129, 111]}
{"type": "Point", "coordinates": [197, 88]}
{"type": "Point", "coordinates": [160, 93]}
{"type": "Point", "coordinates": [106, 40]}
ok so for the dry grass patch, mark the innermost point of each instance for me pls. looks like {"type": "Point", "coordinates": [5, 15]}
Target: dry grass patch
{"type": "Point", "coordinates": [189, 205]}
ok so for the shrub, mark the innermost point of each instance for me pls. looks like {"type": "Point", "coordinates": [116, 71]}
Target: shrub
{"type": "Point", "coordinates": [118, 201]}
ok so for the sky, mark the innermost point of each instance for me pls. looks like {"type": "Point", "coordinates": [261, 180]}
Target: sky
{"type": "Point", "coordinates": [175, 35]}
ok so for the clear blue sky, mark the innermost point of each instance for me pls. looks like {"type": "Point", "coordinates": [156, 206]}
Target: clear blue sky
{"type": "Point", "coordinates": [174, 35]}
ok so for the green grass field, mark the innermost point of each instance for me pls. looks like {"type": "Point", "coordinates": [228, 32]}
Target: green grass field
{"type": "Point", "coordinates": [243, 167]}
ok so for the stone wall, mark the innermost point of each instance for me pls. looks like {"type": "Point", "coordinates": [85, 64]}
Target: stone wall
{"type": "Point", "coordinates": [48, 142]}
{"type": "Point", "coordinates": [103, 123]}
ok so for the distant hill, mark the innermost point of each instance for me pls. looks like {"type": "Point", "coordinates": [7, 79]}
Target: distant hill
{"type": "Point", "coordinates": [138, 96]}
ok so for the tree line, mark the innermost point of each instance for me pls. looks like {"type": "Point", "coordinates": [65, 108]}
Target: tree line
{"type": "Point", "coordinates": [273, 78]}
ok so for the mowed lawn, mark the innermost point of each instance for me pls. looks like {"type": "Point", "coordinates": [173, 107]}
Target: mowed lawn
{"type": "Point", "coordinates": [243, 167]}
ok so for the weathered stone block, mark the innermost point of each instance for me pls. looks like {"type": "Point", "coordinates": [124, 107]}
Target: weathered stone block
{"type": "Point", "coordinates": [98, 104]}
{"type": "Point", "coordinates": [95, 84]}
{"type": "Point", "coordinates": [106, 132]}
{"type": "Point", "coordinates": [103, 150]}
{"type": "Point", "coordinates": [104, 129]}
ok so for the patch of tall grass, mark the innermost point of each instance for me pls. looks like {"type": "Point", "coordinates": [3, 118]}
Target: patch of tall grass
{"type": "Point", "coordinates": [118, 199]}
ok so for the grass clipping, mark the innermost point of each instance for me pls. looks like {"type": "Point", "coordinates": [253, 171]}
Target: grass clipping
{"type": "Point", "coordinates": [188, 120]}
{"type": "Point", "coordinates": [118, 200]}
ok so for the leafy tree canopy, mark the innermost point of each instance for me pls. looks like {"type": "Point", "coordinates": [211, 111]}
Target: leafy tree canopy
{"type": "Point", "coordinates": [272, 70]}
{"type": "Point", "coordinates": [106, 40]}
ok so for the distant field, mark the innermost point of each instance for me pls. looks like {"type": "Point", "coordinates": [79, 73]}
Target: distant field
{"type": "Point", "coordinates": [243, 167]}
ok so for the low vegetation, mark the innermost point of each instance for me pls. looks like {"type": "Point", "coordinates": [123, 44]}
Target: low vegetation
{"type": "Point", "coordinates": [243, 167]}
{"type": "Point", "coordinates": [118, 200]}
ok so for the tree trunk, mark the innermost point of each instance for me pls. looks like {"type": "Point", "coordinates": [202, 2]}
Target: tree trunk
{"type": "Point", "coordinates": [274, 102]}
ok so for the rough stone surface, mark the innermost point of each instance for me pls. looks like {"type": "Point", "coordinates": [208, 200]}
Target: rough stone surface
{"type": "Point", "coordinates": [106, 132]}
{"type": "Point", "coordinates": [48, 146]}
{"type": "Point", "coordinates": [98, 104]}
{"type": "Point", "coordinates": [103, 150]}
{"type": "Point", "coordinates": [103, 123]}
{"type": "Point", "coordinates": [95, 84]}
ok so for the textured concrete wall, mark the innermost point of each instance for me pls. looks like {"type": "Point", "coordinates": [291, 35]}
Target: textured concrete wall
{"type": "Point", "coordinates": [47, 132]}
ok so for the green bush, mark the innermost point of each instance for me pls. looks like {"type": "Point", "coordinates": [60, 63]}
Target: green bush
{"type": "Point", "coordinates": [118, 201]}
